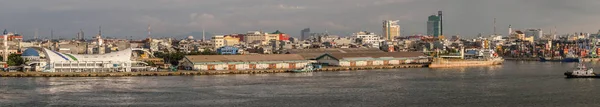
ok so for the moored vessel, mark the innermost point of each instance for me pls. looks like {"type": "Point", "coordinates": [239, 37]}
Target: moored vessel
{"type": "Point", "coordinates": [307, 68]}
{"type": "Point", "coordinates": [581, 71]}
{"type": "Point", "coordinates": [476, 57]}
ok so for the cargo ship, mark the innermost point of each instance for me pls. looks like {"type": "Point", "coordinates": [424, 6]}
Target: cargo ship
{"type": "Point", "coordinates": [568, 58]}
{"type": "Point", "coordinates": [474, 57]}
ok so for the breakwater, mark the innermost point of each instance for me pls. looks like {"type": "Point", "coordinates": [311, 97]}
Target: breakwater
{"type": "Point", "coordinates": [191, 73]}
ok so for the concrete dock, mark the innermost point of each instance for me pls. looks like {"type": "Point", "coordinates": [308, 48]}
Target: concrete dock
{"type": "Point", "coordinates": [191, 73]}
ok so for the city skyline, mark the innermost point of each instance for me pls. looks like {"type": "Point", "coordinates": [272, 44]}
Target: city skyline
{"type": "Point", "coordinates": [124, 19]}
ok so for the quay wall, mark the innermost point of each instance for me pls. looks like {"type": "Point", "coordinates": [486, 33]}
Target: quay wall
{"type": "Point", "coordinates": [538, 59]}
{"type": "Point", "coordinates": [522, 59]}
{"type": "Point", "coordinates": [191, 73]}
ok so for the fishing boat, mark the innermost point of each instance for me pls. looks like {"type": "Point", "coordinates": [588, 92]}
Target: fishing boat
{"type": "Point", "coordinates": [581, 71]}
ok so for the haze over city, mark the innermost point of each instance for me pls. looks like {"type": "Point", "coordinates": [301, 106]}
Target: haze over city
{"type": "Point", "coordinates": [125, 18]}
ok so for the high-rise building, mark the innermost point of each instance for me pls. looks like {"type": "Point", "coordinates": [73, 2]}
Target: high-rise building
{"type": "Point", "coordinates": [305, 33]}
{"type": "Point", "coordinates": [433, 26]}
{"type": "Point", "coordinates": [391, 29]}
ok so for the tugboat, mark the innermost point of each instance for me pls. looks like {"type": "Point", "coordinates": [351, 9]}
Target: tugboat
{"type": "Point", "coordinates": [307, 68]}
{"type": "Point", "coordinates": [582, 72]}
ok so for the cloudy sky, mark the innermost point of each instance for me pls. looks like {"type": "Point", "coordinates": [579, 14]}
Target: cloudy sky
{"type": "Point", "coordinates": [125, 18]}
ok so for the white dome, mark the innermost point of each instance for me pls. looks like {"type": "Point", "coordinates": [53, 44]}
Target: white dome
{"type": "Point", "coordinates": [190, 37]}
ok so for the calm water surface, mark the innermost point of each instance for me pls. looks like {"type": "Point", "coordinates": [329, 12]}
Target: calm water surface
{"type": "Point", "coordinates": [512, 84]}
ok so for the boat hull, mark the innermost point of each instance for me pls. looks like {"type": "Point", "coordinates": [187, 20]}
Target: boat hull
{"type": "Point", "coordinates": [570, 75]}
{"type": "Point", "coordinates": [559, 60]}
{"type": "Point", "coordinates": [464, 63]}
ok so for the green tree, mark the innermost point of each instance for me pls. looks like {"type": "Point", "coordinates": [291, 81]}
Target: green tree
{"type": "Point", "coordinates": [15, 60]}
{"type": "Point", "coordinates": [208, 52]}
{"type": "Point", "coordinates": [150, 63]}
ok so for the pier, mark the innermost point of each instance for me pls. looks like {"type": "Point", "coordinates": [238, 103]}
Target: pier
{"type": "Point", "coordinates": [192, 73]}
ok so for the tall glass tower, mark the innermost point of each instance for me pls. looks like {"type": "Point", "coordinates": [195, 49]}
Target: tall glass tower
{"type": "Point", "coordinates": [433, 26]}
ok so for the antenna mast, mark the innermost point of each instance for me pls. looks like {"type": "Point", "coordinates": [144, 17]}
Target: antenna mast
{"type": "Point", "coordinates": [203, 34]}
{"type": "Point", "coordinates": [35, 34]}
{"type": "Point", "coordinates": [149, 31]}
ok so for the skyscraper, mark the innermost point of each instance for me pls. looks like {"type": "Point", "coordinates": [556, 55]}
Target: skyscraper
{"type": "Point", "coordinates": [305, 33]}
{"type": "Point", "coordinates": [433, 26]}
{"type": "Point", "coordinates": [391, 29]}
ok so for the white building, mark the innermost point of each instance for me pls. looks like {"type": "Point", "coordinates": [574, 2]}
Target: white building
{"type": "Point", "coordinates": [535, 33]}
{"type": "Point", "coordinates": [368, 38]}
{"type": "Point", "coordinates": [54, 61]}
{"type": "Point", "coordinates": [218, 40]}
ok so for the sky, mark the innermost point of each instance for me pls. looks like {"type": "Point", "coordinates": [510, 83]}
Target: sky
{"type": "Point", "coordinates": [130, 18]}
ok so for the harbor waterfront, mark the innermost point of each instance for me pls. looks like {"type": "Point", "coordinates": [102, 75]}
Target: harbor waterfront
{"type": "Point", "coordinates": [184, 72]}
{"type": "Point", "coordinates": [515, 83]}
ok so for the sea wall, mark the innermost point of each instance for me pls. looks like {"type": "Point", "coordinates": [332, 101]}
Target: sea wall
{"type": "Point", "coordinates": [191, 73]}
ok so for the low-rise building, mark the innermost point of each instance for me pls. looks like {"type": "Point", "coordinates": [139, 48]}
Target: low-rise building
{"type": "Point", "coordinates": [243, 62]}
{"type": "Point", "coordinates": [227, 50]}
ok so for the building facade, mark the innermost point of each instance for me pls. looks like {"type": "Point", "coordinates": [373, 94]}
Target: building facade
{"type": "Point", "coordinates": [304, 34]}
{"type": "Point", "coordinates": [535, 33]}
{"type": "Point", "coordinates": [254, 36]}
{"type": "Point", "coordinates": [391, 29]}
{"type": "Point", "coordinates": [227, 50]}
{"type": "Point", "coordinates": [433, 26]}
{"type": "Point", "coordinates": [368, 38]}
{"type": "Point", "coordinates": [218, 40]}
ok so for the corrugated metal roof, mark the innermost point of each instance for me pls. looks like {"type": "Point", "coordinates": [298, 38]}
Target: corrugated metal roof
{"type": "Point", "coordinates": [314, 53]}
{"type": "Point", "coordinates": [244, 58]}
{"type": "Point", "coordinates": [334, 50]}
{"type": "Point", "coordinates": [377, 55]}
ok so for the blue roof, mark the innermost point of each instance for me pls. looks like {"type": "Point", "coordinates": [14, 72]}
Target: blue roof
{"type": "Point", "coordinates": [30, 52]}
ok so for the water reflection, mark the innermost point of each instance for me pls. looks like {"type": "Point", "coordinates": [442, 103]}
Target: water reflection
{"type": "Point", "coordinates": [511, 84]}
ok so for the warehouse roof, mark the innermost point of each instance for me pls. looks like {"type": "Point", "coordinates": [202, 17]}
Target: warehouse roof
{"type": "Point", "coordinates": [333, 50]}
{"type": "Point", "coordinates": [314, 53]}
{"type": "Point", "coordinates": [374, 55]}
{"type": "Point", "coordinates": [244, 58]}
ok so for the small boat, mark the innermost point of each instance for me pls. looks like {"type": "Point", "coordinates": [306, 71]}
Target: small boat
{"type": "Point", "coordinates": [582, 72]}
{"type": "Point", "coordinates": [307, 68]}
